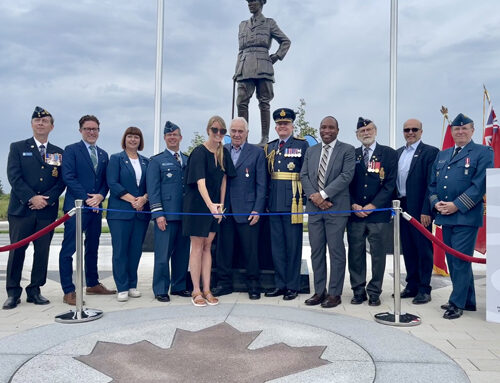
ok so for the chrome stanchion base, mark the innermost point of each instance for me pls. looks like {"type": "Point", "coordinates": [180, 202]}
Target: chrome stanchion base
{"type": "Point", "coordinates": [401, 320]}
{"type": "Point", "coordinates": [86, 315]}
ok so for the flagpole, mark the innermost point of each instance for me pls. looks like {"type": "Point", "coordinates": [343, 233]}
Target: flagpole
{"type": "Point", "coordinates": [393, 73]}
{"type": "Point", "coordinates": [158, 76]}
{"type": "Point", "coordinates": [444, 112]}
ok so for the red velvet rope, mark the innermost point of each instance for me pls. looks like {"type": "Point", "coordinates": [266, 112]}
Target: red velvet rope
{"type": "Point", "coordinates": [37, 235]}
{"type": "Point", "coordinates": [445, 247]}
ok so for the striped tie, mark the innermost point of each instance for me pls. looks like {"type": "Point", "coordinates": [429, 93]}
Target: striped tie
{"type": "Point", "coordinates": [322, 167]}
{"type": "Point", "coordinates": [93, 156]}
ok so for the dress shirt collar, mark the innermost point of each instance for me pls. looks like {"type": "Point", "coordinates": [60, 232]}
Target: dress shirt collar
{"type": "Point", "coordinates": [413, 146]}
{"type": "Point", "coordinates": [38, 143]}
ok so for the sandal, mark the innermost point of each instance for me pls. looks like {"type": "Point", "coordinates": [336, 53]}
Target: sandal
{"type": "Point", "coordinates": [210, 299]}
{"type": "Point", "coordinates": [198, 300]}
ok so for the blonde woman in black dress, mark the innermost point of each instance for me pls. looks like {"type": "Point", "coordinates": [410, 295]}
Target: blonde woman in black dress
{"type": "Point", "coordinates": [208, 167]}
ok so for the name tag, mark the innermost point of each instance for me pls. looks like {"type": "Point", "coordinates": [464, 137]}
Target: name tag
{"type": "Point", "coordinates": [27, 154]}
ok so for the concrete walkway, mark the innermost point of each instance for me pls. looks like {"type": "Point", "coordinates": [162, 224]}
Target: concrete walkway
{"type": "Point", "coordinates": [354, 348]}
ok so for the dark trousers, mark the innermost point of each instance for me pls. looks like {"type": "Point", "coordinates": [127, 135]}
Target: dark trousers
{"type": "Point", "coordinates": [127, 237]}
{"type": "Point", "coordinates": [357, 234]}
{"type": "Point", "coordinates": [20, 228]}
{"type": "Point", "coordinates": [286, 248]}
{"type": "Point", "coordinates": [328, 230]}
{"type": "Point", "coordinates": [171, 247]}
{"type": "Point", "coordinates": [248, 237]}
{"type": "Point", "coordinates": [91, 226]}
{"type": "Point", "coordinates": [418, 256]}
{"type": "Point", "coordinates": [463, 239]}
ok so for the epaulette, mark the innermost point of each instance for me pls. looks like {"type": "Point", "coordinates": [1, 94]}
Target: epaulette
{"type": "Point", "coordinates": [156, 155]}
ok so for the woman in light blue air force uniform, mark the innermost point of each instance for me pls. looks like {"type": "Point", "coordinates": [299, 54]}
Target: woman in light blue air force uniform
{"type": "Point", "coordinates": [126, 176]}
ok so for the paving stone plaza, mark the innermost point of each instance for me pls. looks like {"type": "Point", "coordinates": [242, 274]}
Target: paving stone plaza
{"type": "Point", "coordinates": [241, 340]}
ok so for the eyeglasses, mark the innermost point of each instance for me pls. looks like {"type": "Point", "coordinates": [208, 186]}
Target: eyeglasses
{"type": "Point", "coordinates": [91, 130]}
{"type": "Point", "coordinates": [408, 130]}
{"type": "Point", "coordinates": [220, 131]}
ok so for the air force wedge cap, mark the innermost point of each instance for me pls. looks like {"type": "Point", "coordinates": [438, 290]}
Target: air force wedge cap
{"type": "Point", "coordinates": [170, 127]}
{"type": "Point", "coordinates": [461, 120]}
{"type": "Point", "coordinates": [362, 122]}
{"type": "Point", "coordinates": [40, 112]}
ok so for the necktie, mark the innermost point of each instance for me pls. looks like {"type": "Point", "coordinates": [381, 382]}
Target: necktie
{"type": "Point", "coordinates": [42, 151]}
{"type": "Point", "coordinates": [93, 156]}
{"type": "Point", "coordinates": [282, 143]}
{"type": "Point", "coordinates": [322, 167]}
{"type": "Point", "coordinates": [366, 156]}
{"type": "Point", "coordinates": [457, 150]}
{"type": "Point", "coordinates": [176, 155]}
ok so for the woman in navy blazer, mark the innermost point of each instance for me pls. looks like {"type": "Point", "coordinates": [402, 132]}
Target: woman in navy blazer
{"type": "Point", "coordinates": [126, 176]}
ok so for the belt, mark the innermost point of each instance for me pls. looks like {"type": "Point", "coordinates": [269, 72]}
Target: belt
{"type": "Point", "coordinates": [285, 176]}
{"type": "Point", "coordinates": [256, 49]}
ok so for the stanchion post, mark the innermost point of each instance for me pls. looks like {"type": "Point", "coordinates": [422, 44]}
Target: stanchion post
{"type": "Point", "coordinates": [80, 314]}
{"type": "Point", "coordinates": [397, 318]}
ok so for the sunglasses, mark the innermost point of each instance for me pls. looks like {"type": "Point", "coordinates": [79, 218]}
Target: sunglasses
{"type": "Point", "coordinates": [221, 131]}
{"type": "Point", "coordinates": [408, 130]}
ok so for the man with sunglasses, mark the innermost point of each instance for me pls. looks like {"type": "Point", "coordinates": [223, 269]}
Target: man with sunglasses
{"type": "Point", "coordinates": [84, 173]}
{"type": "Point", "coordinates": [34, 172]}
{"type": "Point", "coordinates": [371, 188]}
{"type": "Point", "coordinates": [414, 170]}
{"type": "Point", "coordinates": [285, 157]}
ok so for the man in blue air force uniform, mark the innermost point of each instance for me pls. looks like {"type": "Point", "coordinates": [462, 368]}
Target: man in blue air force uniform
{"type": "Point", "coordinates": [285, 157]}
{"type": "Point", "coordinates": [34, 172]}
{"type": "Point", "coordinates": [456, 190]}
{"type": "Point", "coordinates": [165, 186]}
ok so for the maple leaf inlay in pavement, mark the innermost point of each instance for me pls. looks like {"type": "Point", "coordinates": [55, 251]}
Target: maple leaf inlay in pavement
{"type": "Point", "coordinates": [215, 354]}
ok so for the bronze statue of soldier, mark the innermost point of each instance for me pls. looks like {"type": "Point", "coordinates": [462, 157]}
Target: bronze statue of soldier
{"type": "Point", "coordinates": [254, 66]}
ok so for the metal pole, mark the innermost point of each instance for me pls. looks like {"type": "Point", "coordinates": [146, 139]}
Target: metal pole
{"type": "Point", "coordinates": [79, 258]}
{"type": "Point", "coordinates": [397, 318]}
{"type": "Point", "coordinates": [80, 314]}
{"type": "Point", "coordinates": [393, 70]}
{"type": "Point", "coordinates": [158, 76]}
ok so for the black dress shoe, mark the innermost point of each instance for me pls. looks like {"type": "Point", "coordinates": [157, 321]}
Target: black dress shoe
{"type": "Point", "coordinates": [357, 299]}
{"type": "Point", "coordinates": [331, 301]}
{"type": "Point", "coordinates": [11, 303]}
{"type": "Point", "coordinates": [446, 306]}
{"type": "Point", "coordinates": [374, 300]}
{"type": "Point", "coordinates": [182, 293]}
{"type": "Point", "coordinates": [222, 290]}
{"type": "Point", "coordinates": [316, 299]}
{"type": "Point", "coordinates": [37, 299]}
{"type": "Point", "coordinates": [453, 312]}
{"type": "Point", "coordinates": [421, 298]}
{"type": "Point", "coordinates": [290, 295]}
{"type": "Point", "coordinates": [275, 292]}
{"type": "Point", "coordinates": [162, 298]}
{"type": "Point", "coordinates": [254, 294]}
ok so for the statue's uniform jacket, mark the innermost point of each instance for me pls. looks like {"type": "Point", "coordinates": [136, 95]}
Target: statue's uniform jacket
{"type": "Point", "coordinates": [254, 44]}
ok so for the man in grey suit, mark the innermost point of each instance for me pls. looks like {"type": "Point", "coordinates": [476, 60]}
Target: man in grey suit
{"type": "Point", "coordinates": [326, 174]}
{"type": "Point", "coordinates": [254, 66]}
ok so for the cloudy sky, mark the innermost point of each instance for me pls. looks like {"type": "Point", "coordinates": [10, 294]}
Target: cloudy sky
{"type": "Point", "coordinates": [98, 57]}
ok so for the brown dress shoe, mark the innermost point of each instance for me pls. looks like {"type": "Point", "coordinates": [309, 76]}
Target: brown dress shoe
{"type": "Point", "coordinates": [70, 298]}
{"type": "Point", "coordinates": [316, 299]}
{"type": "Point", "coordinates": [331, 301]}
{"type": "Point", "coordinates": [99, 289]}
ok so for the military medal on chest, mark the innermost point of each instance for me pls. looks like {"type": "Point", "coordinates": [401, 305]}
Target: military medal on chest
{"type": "Point", "coordinates": [293, 152]}
{"type": "Point", "coordinates": [291, 166]}
{"type": "Point", "coordinates": [246, 173]}
{"type": "Point", "coordinates": [467, 166]}
{"type": "Point", "coordinates": [55, 172]}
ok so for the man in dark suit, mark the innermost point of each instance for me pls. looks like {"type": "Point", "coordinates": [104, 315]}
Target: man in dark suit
{"type": "Point", "coordinates": [326, 174]}
{"type": "Point", "coordinates": [245, 194]}
{"type": "Point", "coordinates": [33, 169]}
{"type": "Point", "coordinates": [285, 156]}
{"type": "Point", "coordinates": [414, 169]}
{"type": "Point", "coordinates": [165, 185]}
{"type": "Point", "coordinates": [456, 190]}
{"type": "Point", "coordinates": [371, 188]}
{"type": "Point", "coordinates": [84, 173]}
